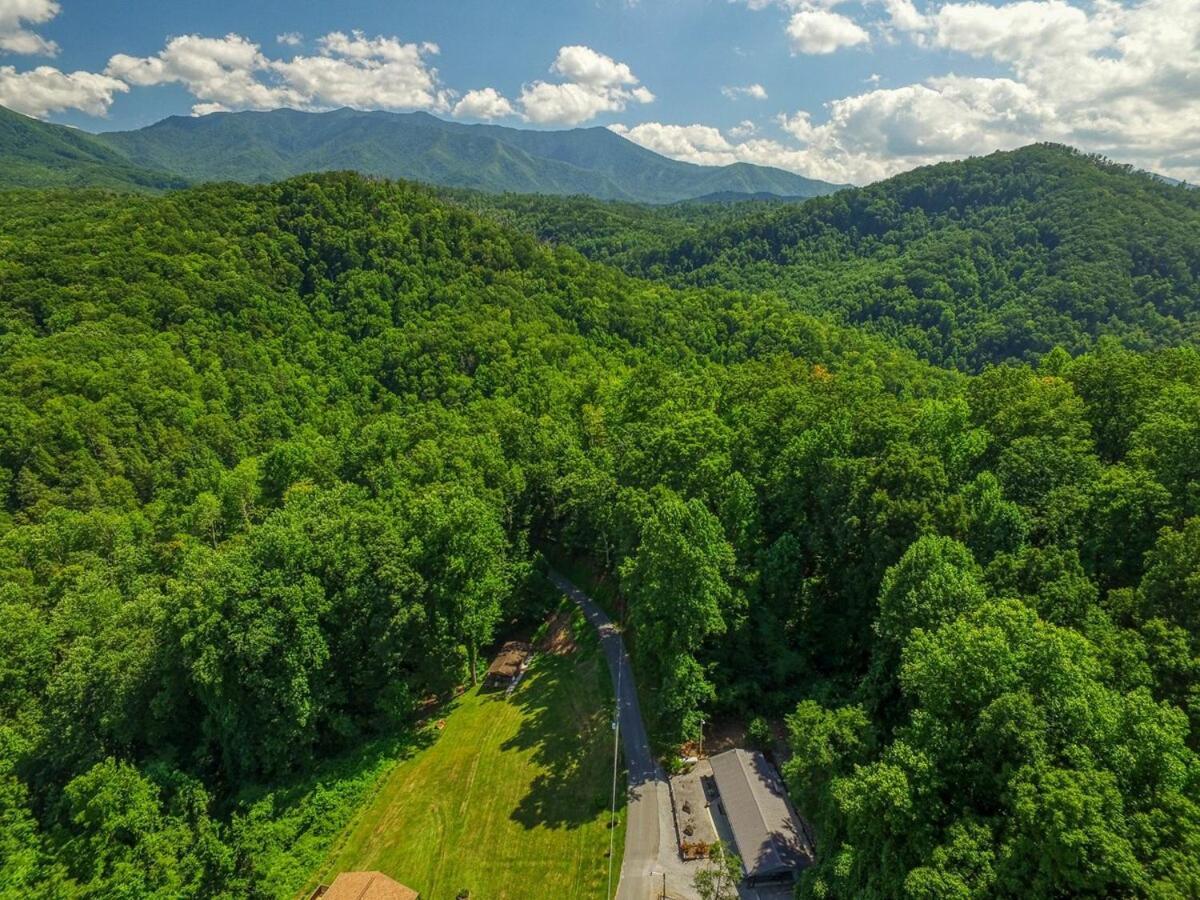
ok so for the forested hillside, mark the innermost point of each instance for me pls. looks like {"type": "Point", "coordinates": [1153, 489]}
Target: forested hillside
{"type": "Point", "coordinates": [37, 154]}
{"type": "Point", "coordinates": [984, 260]}
{"type": "Point", "coordinates": [266, 146]}
{"type": "Point", "coordinates": [276, 461]}
{"type": "Point", "coordinates": [271, 462]}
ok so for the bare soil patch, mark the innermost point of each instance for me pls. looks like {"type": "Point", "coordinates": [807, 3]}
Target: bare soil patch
{"type": "Point", "coordinates": [560, 636]}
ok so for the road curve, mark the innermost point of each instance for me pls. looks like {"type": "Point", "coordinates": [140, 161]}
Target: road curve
{"type": "Point", "coordinates": [650, 845]}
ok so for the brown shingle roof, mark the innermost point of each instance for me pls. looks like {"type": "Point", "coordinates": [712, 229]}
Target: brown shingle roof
{"type": "Point", "coordinates": [367, 886]}
{"type": "Point", "coordinates": [509, 660]}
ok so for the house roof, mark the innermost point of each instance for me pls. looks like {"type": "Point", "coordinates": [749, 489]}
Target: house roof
{"type": "Point", "coordinates": [766, 829]}
{"type": "Point", "coordinates": [509, 660]}
{"type": "Point", "coordinates": [367, 886]}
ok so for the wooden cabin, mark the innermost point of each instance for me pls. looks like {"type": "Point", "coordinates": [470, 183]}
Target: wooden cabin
{"type": "Point", "coordinates": [508, 665]}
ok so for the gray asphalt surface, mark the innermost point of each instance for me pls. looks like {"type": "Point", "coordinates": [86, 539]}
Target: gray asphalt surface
{"type": "Point", "coordinates": [650, 850]}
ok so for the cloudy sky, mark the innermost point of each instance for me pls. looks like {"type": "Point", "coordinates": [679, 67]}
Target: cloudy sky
{"type": "Point", "coordinates": [844, 90]}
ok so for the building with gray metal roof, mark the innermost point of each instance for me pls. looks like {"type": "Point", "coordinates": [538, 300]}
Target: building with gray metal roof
{"type": "Point", "coordinates": [770, 838]}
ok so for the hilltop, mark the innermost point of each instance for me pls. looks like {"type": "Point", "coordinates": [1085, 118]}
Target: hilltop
{"type": "Point", "coordinates": [971, 262]}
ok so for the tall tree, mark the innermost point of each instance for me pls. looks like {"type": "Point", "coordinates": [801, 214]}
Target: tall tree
{"type": "Point", "coordinates": [463, 559]}
{"type": "Point", "coordinates": [679, 598]}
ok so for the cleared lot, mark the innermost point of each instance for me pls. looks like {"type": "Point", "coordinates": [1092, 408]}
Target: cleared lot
{"type": "Point", "coordinates": [511, 801]}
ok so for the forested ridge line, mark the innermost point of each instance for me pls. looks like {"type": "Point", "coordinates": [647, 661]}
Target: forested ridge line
{"type": "Point", "coordinates": [274, 458]}
{"type": "Point", "coordinates": [968, 263]}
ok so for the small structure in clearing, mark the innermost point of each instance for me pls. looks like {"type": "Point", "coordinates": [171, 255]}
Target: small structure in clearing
{"type": "Point", "coordinates": [769, 836]}
{"type": "Point", "coordinates": [364, 886]}
{"type": "Point", "coordinates": [508, 665]}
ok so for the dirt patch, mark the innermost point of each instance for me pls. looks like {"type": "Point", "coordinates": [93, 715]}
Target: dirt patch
{"type": "Point", "coordinates": [693, 823]}
{"type": "Point", "coordinates": [560, 636]}
{"type": "Point", "coordinates": [719, 736]}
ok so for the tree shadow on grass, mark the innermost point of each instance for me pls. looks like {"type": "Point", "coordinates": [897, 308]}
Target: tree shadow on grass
{"type": "Point", "coordinates": [567, 725]}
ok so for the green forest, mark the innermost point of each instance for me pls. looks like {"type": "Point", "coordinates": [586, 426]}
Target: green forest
{"type": "Point", "coordinates": [966, 264]}
{"type": "Point", "coordinates": [915, 467]}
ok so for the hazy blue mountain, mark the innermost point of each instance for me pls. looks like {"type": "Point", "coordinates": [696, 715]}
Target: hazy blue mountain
{"type": "Point", "coordinates": [1174, 181]}
{"type": "Point", "coordinates": [267, 146]}
{"type": "Point", "coordinates": [738, 197]}
{"type": "Point", "coordinates": [37, 154]}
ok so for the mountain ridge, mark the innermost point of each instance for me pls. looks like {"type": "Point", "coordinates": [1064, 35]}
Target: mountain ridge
{"type": "Point", "coordinates": [38, 154]}
{"type": "Point", "coordinates": [282, 143]}
{"type": "Point", "coordinates": [968, 263]}
{"type": "Point", "coordinates": [259, 147]}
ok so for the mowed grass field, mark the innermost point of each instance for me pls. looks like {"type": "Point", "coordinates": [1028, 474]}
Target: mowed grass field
{"type": "Point", "coordinates": [511, 800]}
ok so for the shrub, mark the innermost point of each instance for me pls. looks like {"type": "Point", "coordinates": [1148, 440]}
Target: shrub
{"type": "Point", "coordinates": [760, 734]}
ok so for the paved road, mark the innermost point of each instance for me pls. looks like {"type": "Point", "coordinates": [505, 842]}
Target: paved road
{"type": "Point", "coordinates": [650, 844]}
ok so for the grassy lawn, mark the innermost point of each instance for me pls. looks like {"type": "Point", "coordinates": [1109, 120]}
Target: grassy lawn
{"type": "Point", "coordinates": [512, 800]}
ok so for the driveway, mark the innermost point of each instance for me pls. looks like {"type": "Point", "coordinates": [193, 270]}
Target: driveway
{"type": "Point", "coordinates": [652, 867]}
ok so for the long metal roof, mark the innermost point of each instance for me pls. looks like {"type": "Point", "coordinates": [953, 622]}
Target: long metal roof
{"type": "Point", "coordinates": [766, 829]}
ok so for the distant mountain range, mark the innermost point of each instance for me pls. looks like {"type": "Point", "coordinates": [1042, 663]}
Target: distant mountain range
{"type": "Point", "coordinates": [37, 154]}
{"type": "Point", "coordinates": [268, 146]}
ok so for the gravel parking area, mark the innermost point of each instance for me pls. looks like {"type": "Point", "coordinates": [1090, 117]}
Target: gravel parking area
{"type": "Point", "coordinates": [690, 796]}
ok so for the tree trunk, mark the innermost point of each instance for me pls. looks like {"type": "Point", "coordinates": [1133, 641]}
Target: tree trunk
{"type": "Point", "coordinates": [473, 654]}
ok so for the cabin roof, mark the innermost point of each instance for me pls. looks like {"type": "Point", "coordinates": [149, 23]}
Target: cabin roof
{"type": "Point", "coordinates": [367, 886]}
{"type": "Point", "coordinates": [766, 829]}
{"type": "Point", "coordinates": [510, 659]}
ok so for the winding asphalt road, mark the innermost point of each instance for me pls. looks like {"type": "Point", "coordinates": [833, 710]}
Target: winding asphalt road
{"type": "Point", "coordinates": [650, 845]}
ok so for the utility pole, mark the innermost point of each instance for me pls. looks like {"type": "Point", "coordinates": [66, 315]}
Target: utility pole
{"type": "Point", "coordinates": [612, 822]}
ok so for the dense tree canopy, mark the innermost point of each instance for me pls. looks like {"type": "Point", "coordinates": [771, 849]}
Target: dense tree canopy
{"type": "Point", "coordinates": [277, 461]}
{"type": "Point", "coordinates": [967, 263]}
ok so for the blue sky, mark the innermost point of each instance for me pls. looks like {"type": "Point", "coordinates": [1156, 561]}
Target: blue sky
{"type": "Point", "coordinates": [839, 90]}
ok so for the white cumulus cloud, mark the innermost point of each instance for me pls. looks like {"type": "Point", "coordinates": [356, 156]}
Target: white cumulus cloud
{"type": "Point", "coordinates": [485, 103]}
{"type": "Point", "coordinates": [700, 144]}
{"type": "Point", "coordinates": [708, 146]}
{"type": "Point", "coordinates": [353, 70]}
{"type": "Point", "coordinates": [45, 90]}
{"type": "Point", "coordinates": [819, 31]}
{"type": "Point", "coordinates": [1117, 78]}
{"type": "Point", "coordinates": [753, 91]}
{"type": "Point", "coordinates": [583, 65]}
{"type": "Point", "coordinates": [1018, 31]}
{"type": "Point", "coordinates": [567, 104]}
{"type": "Point", "coordinates": [871, 135]}
{"type": "Point", "coordinates": [225, 71]}
{"type": "Point", "coordinates": [349, 70]}
{"type": "Point", "coordinates": [595, 84]}
{"type": "Point", "coordinates": [15, 37]}
{"type": "Point", "coordinates": [904, 16]}
{"type": "Point", "coordinates": [743, 129]}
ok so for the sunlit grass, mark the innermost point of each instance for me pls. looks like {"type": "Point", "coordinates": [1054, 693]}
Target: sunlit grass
{"type": "Point", "coordinates": [512, 800]}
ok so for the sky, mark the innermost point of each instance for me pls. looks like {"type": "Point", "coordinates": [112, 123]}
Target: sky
{"type": "Point", "coordinates": [842, 90]}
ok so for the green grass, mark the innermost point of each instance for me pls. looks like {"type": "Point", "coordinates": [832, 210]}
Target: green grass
{"type": "Point", "coordinates": [512, 800]}
{"type": "Point", "coordinates": [286, 830]}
